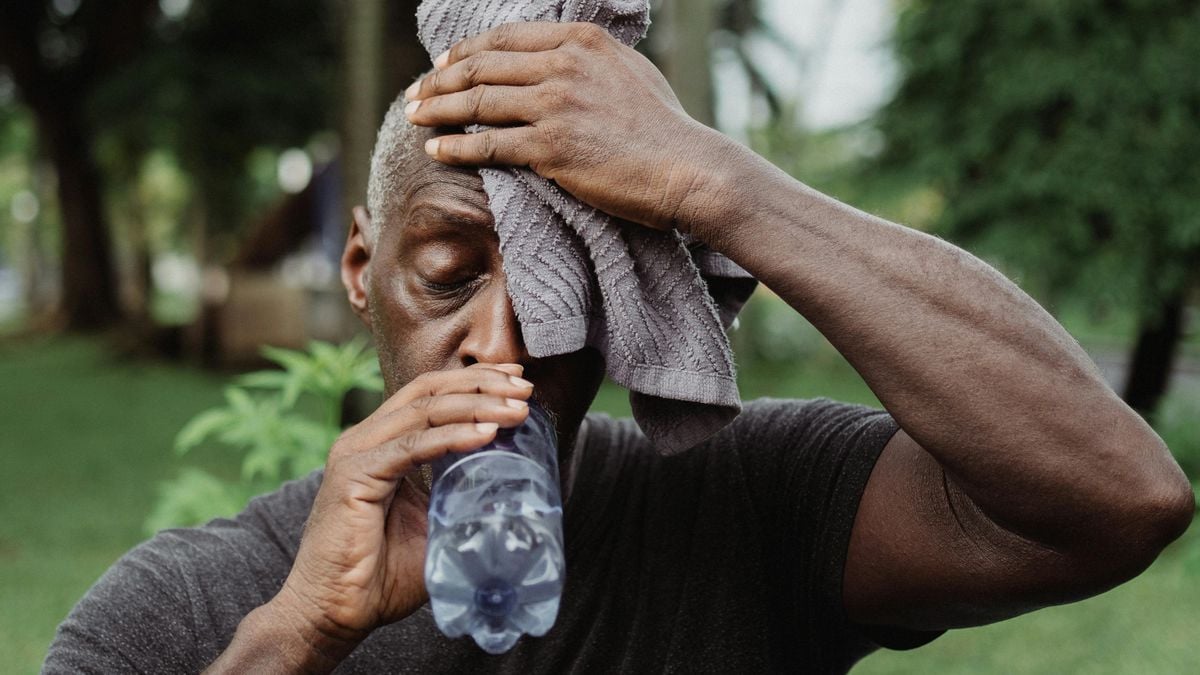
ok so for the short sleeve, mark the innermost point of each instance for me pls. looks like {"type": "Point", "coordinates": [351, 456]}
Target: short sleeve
{"type": "Point", "coordinates": [807, 463]}
{"type": "Point", "coordinates": [136, 618]}
{"type": "Point", "coordinates": [173, 603]}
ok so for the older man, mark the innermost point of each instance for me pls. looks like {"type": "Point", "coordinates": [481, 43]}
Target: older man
{"type": "Point", "coordinates": [1004, 475]}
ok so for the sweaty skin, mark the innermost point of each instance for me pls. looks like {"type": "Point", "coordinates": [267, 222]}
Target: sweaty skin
{"type": "Point", "coordinates": [1018, 479]}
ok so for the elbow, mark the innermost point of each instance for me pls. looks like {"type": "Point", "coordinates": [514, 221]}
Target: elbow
{"type": "Point", "coordinates": [1154, 507]}
{"type": "Point", "coordinates": [1158, 521]}
{"type": "Point", "coordinates": [1168, 511]}
{"type": "Point", "coordinates": [1164, 504]}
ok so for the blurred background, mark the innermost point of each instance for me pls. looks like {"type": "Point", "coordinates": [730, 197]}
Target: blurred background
{"type": "Point", "coordinates": [176, 176]}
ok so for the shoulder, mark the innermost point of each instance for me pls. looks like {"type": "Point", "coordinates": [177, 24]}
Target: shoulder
{"type": "Point", "coordinates": [171, 603]}
{"type": "Point", "coordinates": [818, 419]}
{"type": "Point", "coordinates": [811, 426]}
{"type": "Point", "coordinates": [806, 435]}
{"type": "Point", "coordinates": [814, 453]}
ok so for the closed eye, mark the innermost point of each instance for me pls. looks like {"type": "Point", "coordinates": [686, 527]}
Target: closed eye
{"type": "Point", "coordinates": [440, 288]}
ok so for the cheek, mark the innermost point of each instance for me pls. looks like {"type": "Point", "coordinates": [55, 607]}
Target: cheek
{"type": "Point", "coordinates": [408, 343]}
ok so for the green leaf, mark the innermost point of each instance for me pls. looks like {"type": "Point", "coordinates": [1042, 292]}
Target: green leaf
{"type": "Point", "coordinates": [324, 352]}
{"type": "Point", "coordinates": [259, 419]}
{"type": "Point", "coordinates": [201, 427]}
{"type": "Point", "coordinates": [240, 401]}
{"type": "Point", "coordinates": [265, 379]}
{"type": "Point", "coordinates": [288, 358]}
{"type": "Point", "coordinates": [195, 497]}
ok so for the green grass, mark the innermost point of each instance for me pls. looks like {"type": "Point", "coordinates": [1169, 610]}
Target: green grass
{"type": "Point", "coordinates": [1149, 625]}
{"type": "Point", "coordinates": [85, 438]}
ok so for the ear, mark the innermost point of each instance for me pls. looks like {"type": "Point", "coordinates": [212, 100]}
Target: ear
{"type": "Point", "coordinates": [355, 261]}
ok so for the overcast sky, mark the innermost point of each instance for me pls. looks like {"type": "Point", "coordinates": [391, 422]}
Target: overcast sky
{"type": "Point", "coordinates": [850, 75]}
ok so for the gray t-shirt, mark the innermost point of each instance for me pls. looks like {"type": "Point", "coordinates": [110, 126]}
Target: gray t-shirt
{"type": "Point", "coordinates": [725, 558]}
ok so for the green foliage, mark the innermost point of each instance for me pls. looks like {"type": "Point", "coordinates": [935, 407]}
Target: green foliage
{"type": "Point", "coordinates": [1175, 422]}
{"type": "Point", "coordinates": [1062, 136]}
{"type": "Point", "coordinates": [215, 84]}
{"type": "Point", "coordinates": [264, 418]}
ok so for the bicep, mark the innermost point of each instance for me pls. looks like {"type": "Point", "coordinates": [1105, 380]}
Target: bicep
{"type": "Point", "coordinates": [923, 556]}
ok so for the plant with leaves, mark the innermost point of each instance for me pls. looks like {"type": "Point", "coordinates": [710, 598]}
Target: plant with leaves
{"type": "Point", "coordinates": [283, 421]}
{"type": "Point", "coordinates": [1063, 139]}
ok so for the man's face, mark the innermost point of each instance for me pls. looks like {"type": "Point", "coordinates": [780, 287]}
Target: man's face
{"type": "Point", "coordinates": [432, 290]}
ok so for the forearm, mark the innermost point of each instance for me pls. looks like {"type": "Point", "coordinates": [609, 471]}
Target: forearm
{"type": "Point", "coordinates": [971, 367]}
{"type": "Point", "coordinates": [272, 639]}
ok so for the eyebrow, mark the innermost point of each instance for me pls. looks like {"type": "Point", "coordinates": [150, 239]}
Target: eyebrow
{"type": "Point", "coordinates": [434, 214]}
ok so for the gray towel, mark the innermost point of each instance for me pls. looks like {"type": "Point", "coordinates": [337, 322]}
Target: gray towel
{"type": "Point", "coordinates": [654, 303]}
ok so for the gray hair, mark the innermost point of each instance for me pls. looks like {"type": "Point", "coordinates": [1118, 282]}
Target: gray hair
{"type": "Point", "coordinates": [392, 160]}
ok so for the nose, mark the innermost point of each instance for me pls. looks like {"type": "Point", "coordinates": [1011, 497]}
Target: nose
{"type": "Point", "coordinates": [494, 336]}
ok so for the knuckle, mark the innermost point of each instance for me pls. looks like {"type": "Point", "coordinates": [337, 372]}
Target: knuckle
{"type": "Point", "coordinates": [589, 33]}
{"type": "Point", "coordinates": [421, 411]}
{"type": "Point", "coordinates": [410, 443]}
{"type": "Point", "coordinates": [342, 447]}
{"type": "Point", "coordinates": [336, 452]}
{"type": "Point", "coordinates": [488, 149]}
{"type": "Point", "coordinates": [473, 68]}
{"type": "Point", "coordinates": [434, 81]}
{"type": "Point", "coordinates": [503, 37]}
{"type": "Point", "coordinates": [405, 444]}
{"type": "Point", "coordinates": [547, 145]}
{"type": "Point", "coordinates": [557, 97]}
{"type": "Point", "coordinates": [551, 133]}
{"type": "Point", "coordinates": [477, 100]}
{"type": "Point", "coordinates": [564, 62]}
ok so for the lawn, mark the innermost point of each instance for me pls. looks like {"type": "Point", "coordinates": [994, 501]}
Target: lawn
{"type": "Point", "coordinates": [85, 440]}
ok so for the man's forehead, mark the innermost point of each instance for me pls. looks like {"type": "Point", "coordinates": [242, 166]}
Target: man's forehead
{"type": "Point", "coordinates": [437, 193]}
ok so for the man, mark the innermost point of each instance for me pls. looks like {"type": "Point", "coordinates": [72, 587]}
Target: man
{"type": "Point", "coordinates": [1004, 476]}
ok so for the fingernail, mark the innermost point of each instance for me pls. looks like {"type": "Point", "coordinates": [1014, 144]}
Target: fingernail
{"type": "Point", "coordinates": [520, 382]}
{"type": "Point", "coordinates": [431, 147]}
{"type": "Point", "coordinates": [442, 60]}
{"type": "Point", "coordinates": [515, 403]}
{"type": "Point", "coordinates": [486, 427]}
{"type": "Point", "coordinates": [411, 108]}
{"type": "Point", "coordinates": [412, 90]}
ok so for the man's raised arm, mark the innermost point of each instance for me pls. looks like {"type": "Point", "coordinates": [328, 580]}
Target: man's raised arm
{"type": "Point", "coordinates": [1019, 478]}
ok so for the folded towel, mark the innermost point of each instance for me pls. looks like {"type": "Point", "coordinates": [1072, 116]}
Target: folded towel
{"type": "Point", "coordinates": [654, 303]}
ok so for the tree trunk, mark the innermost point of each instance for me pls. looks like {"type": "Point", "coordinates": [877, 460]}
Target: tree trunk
{"type": "Point", "coordinates": [89, 288]}
{"type": "Point", "coordinates": [681, 46]}
{"type": "Point", "coordinates": [404, 57]}
{"type": "Point", "coordinates": [364, 24]}
{"type": "Point", "coordinates": [1153, 356]}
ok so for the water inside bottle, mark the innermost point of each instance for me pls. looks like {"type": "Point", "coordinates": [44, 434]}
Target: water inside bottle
{"type": "Point", "coordinates": [495, 564]}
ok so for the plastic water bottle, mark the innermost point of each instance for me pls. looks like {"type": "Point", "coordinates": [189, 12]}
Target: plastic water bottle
{"type": "Point", "coordinates": [494, 565]}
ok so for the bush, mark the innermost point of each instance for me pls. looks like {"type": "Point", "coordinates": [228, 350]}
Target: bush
{"type": "Point", "coordinates": [1176, 423]}
{"type": "Point", "coordinates": [283, 421]}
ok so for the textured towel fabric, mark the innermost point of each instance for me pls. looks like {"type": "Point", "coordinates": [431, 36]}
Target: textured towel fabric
{"type": "Point", "coordinates": [654, 303]}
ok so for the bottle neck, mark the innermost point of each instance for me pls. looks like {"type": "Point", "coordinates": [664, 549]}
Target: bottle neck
{"type": "Point", "coordinates": [534, 439]}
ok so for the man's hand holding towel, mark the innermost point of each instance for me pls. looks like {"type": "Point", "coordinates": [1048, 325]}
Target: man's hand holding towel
{"type": "Point", "coordinates": [580, 108]}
